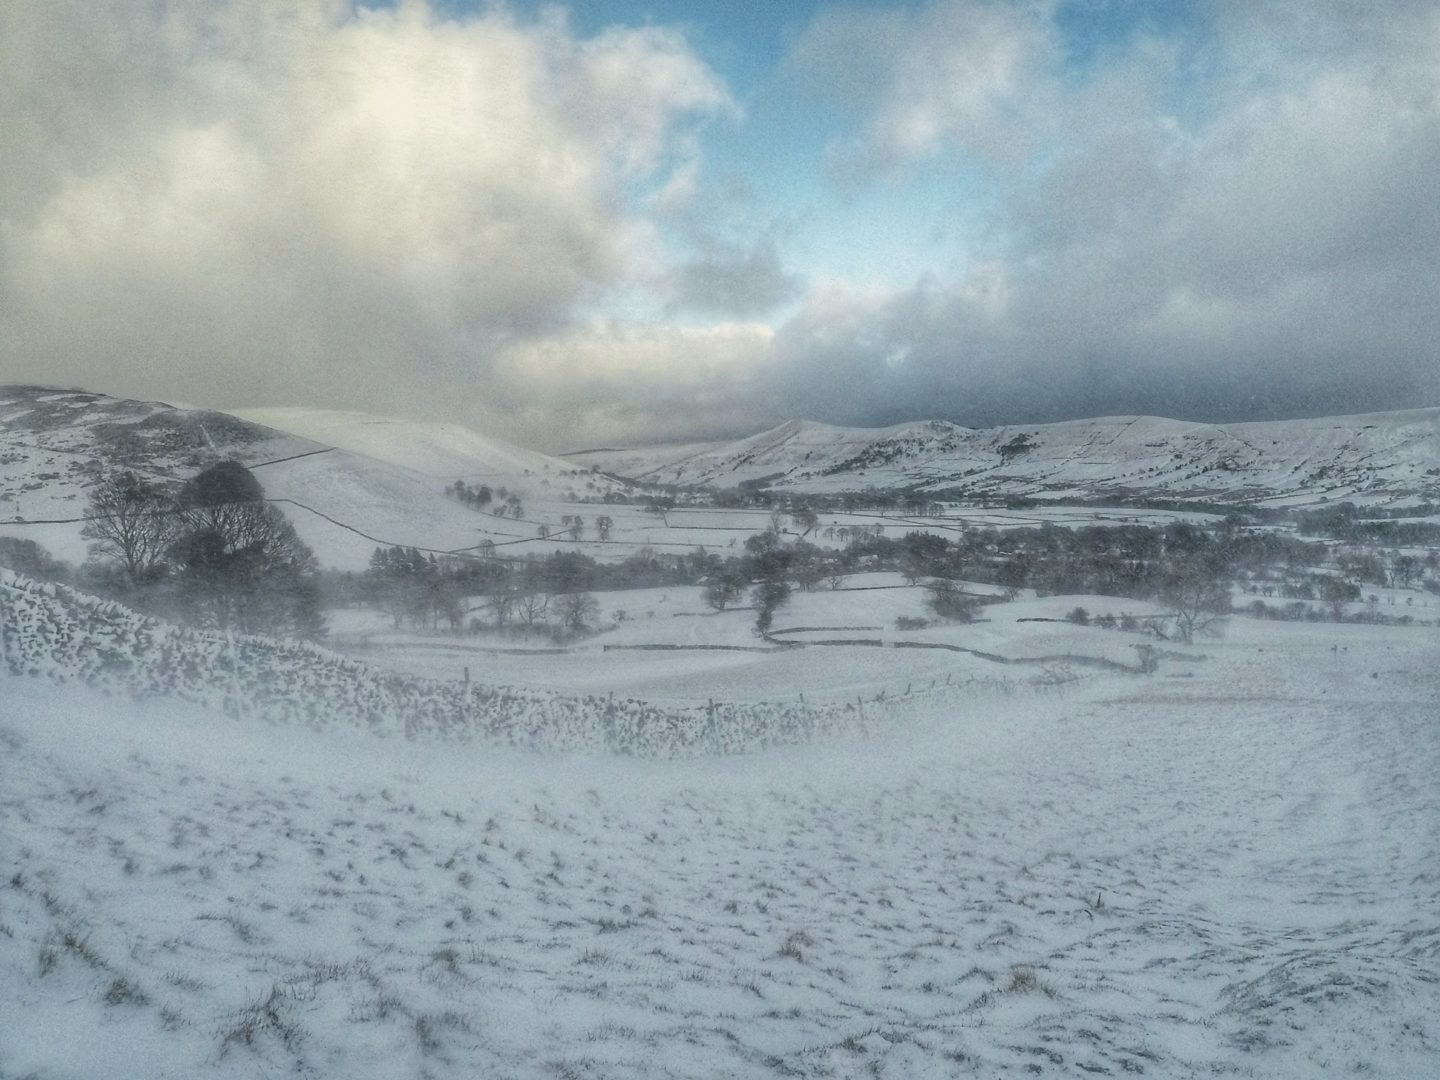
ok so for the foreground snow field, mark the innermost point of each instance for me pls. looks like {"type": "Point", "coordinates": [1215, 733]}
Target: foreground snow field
{"type": "Point", "coordinates": [1226, 869]}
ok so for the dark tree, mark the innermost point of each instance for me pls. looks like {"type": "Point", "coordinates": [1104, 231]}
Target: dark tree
{"type": "Point", "coordinates": [768, 596]}
{"type": "Point", "coordinates": [925, 555]}
{"type": "Point", "coordinates": [949, 601]}
{"type": "Point", "coordinates": [722, 590]}
{"type": "Point", "coordinates": [240, 563]}
{"type": "Point", "coordinates": [576, 611]}
{"type": "Point", "coordinates": [767, 559]}
{"type": "Point", "coordinates": [567, 572]}
{"type": "Point", "coordinates": [1337, 592]}
{"type": "Point", "coordinates": [29, 558]}
{"type": "Point", "coordinates": [1197, 595]}
{"type": "Point", "coordinates": [131, 524]}
{"type": "Point", "coordinates": [222, 484]}
{"type": "Point", "coordinates": [399, 582]}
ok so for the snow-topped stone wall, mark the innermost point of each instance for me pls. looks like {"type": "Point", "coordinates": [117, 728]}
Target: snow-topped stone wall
{"type": "Point", "coordinates": [50, 631]}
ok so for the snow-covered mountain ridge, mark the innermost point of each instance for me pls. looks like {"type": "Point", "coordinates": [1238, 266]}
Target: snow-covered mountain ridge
{"type": "Point", "coordinates": [1390, 458]}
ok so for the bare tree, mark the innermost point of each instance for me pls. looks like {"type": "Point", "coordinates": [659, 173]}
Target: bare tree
{"type": "Point", "coordinates": [768, 596]}
{"type": "Point", "coordinates": [130, 523]}
{"type": "Point", "coordinates": [804, 518]}
{"type": "Point", "coordinates": [531, 607]}
{"type": "Point", "coordinates": [1196, 599]}
{"type": "Point", "coordinates": [948, 600]}
{"type": "Point", "coordinates": [502, 596]}
{"type": "Point", "coordinates": [722, 590]}
{"type": "Point", "coordinates": [577, 609]}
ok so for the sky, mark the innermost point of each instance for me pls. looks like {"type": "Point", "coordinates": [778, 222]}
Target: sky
{"type": "Point", "coordinates": [610, 223]}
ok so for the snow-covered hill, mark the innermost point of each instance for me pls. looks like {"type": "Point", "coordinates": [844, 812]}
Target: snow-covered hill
{"type": "Point", "coordinates": [432, 448]}
{"type": "Point", "coordinates": [55, 444]}
{"type": "Point", "coordinates": [1374, 458]}
{"type": "Point", "coordinates": [362, 481]}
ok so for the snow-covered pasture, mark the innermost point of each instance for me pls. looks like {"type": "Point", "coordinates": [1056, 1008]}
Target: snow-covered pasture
{"type": "Point", "coordinates": [1225, 869]}
{"type": "Point", "coordinates": [665, 643]}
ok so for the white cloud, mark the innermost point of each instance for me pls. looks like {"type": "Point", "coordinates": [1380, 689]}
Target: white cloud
{"type": "Point", "coordinates": [954, 72]}
{"type": "Point", "coordinates": [610, 381]}
{"type": "Point", "coordinates": [238, 198]}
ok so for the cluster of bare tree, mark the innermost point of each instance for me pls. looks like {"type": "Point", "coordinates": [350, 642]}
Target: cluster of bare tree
{"type": "Point", "coordinates": [498, 502]}
{"type": "Point", "coordinates": [213, 552]}
{"type": "Point", "coordinates": [1189, 568]}
{"type": "Point", "coordinates": [542, 596]}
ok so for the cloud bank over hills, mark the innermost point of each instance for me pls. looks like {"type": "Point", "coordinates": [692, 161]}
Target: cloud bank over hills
{"type": "Point", "coordinates": [570, 231]}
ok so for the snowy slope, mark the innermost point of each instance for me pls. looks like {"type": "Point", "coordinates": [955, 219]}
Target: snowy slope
{"type": "Point", "coordinates": [1382, 457]}
{"type": "Point", "coordinates": [1226, 874]}
{"type": "Point", "coordinates": [638, 461]}
{"type": "Point", "coordinates": [55, 444]}
{"type": "Point", "coordinates": [343, 504]}
{"type": "Point", "coordinates": [432, 448]}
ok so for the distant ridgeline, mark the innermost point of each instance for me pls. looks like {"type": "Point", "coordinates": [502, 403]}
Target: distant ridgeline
{"type": "Point", "coordinates": [52, 632]}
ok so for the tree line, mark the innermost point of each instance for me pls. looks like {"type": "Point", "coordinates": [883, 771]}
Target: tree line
{"type": "Point", "coordinates": [211, 552]}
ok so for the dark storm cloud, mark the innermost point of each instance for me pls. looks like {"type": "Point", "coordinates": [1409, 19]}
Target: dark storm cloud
{"type": "Point", "coordinates": [1268, 247]}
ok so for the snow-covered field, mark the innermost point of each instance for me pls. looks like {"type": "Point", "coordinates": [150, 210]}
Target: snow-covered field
{"type": "Point", "coordinates": [1228, 867]}
{"type": "Point", "coordinates": [703, 654]}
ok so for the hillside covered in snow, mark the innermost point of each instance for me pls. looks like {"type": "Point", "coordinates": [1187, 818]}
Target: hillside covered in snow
{"type": "Point", "coordinates": [1381, 458]}
{"type": "Point", "coordinates": [1225, 868]}
{"type": "Point", "coordinates": [55, 442]}
{"type": "Point", "coordinates": [385, 485]}
{"type": "Point", "coordinates": [433, 448]}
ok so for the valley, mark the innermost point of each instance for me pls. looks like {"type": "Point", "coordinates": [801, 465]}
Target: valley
{"type": "Point", "coordinates": [590, 775]}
